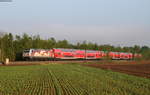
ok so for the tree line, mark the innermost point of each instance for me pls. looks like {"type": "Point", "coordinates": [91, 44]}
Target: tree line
{"type": "Point", "coordinates": [11, 46]}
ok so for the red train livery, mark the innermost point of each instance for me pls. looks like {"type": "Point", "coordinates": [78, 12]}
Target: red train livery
{"type": "Point", "coordinates": [60, 53]}
{"type": "Point", "coordinates": [120, 55]}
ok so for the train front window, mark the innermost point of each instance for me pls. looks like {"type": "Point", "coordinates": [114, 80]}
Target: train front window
{"type": "Point", "coordinates": [26, 51]}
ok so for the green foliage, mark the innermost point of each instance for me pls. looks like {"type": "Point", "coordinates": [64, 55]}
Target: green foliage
{"type": "Point", "coordinates": [145, 52]}
{"type": "Point", "coordinates": [62, 44]}
{"type": "Point", "coordinates": [7, 47]}
{"type": "Point", "coordinates": [12, 46]}
{"type": "Point", "coordinates": [69, 79]}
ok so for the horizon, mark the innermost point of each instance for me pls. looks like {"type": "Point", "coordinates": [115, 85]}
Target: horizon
{"type": "Point", "coordinates": [87, 42]}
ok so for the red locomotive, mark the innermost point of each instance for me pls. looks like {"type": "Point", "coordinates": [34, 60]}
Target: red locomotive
{"type": "Point", "coordinates": [37, 54]}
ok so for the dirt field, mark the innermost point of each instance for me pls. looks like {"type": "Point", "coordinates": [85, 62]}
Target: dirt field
{"type": "Point", "coordinates": [142, 70]}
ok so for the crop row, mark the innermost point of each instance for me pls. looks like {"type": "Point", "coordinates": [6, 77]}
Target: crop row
{"type": "Point", "coordinates": [65, 79]}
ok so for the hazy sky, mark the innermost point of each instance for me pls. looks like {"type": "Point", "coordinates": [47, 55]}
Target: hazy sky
{"type": "Point", "coordinates": [116, 22]}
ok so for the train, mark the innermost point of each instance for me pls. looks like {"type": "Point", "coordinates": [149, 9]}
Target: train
{"type": "Point", "coordinates": [76, 54]}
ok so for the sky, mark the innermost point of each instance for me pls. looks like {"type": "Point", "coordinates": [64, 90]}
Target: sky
{"type": "Point", "coordinates": [115, 22]}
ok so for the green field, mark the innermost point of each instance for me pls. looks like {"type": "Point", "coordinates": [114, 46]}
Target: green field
{"type": "Point", "coordinates": [68, 79]}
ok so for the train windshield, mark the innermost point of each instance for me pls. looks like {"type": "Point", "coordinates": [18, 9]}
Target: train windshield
{"type": "Point", "coordinates": [26, 51]}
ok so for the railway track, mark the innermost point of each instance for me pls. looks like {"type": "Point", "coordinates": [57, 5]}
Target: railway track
{"type": "Point", "coordinates": [15, 63]}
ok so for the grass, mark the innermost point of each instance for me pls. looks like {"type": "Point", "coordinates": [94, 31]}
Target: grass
{"type": "Point", "coordinates": [68, 79]}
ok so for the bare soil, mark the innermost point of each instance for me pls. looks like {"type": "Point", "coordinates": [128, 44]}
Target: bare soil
{"type": "Point", "coordinates": [142, 70]}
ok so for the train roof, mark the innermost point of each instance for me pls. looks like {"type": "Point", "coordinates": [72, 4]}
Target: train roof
{"type": "Point", "coordinates": [67, 50]}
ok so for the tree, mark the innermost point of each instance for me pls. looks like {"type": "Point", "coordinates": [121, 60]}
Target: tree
{"type": "Point", "coordinates": [62, 44]}
{"type": "Point", "coordinates": [145, 50]}
{"type": "Point", "coordinates": [51, 43]}
{"type": "Point", "coordinates": [83, 45]}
